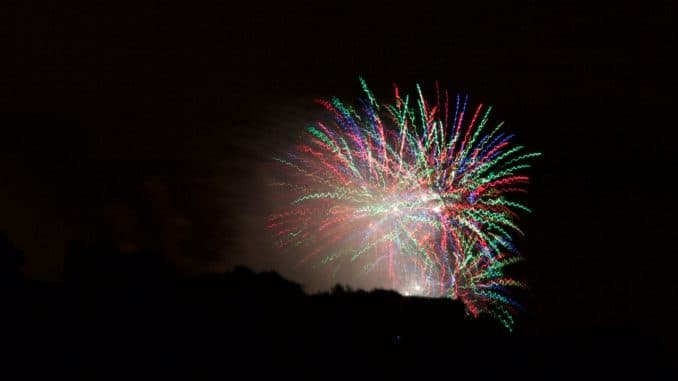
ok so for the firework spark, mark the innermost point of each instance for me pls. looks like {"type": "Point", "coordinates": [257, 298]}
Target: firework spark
{"type": "Point", "coordinates": [412, 190]}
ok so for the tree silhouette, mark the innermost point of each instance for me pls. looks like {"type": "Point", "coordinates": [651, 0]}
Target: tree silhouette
{"type": "Point", "coordinates": [11, 261]}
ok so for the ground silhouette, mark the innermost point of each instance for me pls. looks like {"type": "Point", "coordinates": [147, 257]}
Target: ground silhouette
{"type": "Point", "coordinates": [127, 316]}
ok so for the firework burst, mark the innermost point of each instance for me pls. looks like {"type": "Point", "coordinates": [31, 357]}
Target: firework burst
{"type": "Point", "coordinates": [412, 190]}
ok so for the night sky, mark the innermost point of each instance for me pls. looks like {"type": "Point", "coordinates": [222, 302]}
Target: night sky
{"type": "Point", "coordinates": [151, 126]}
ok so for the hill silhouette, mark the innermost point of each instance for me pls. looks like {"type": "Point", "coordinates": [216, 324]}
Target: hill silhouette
{"type": "Point", "coordinates": [130, 316]}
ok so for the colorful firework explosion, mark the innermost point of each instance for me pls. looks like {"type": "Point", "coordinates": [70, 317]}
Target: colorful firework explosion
{"type": "Point", "coordinates": [412, 190]}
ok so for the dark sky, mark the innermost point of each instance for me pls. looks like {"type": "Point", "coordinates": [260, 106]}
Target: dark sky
{"type": "Point", "coordinates": [148, 126]}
